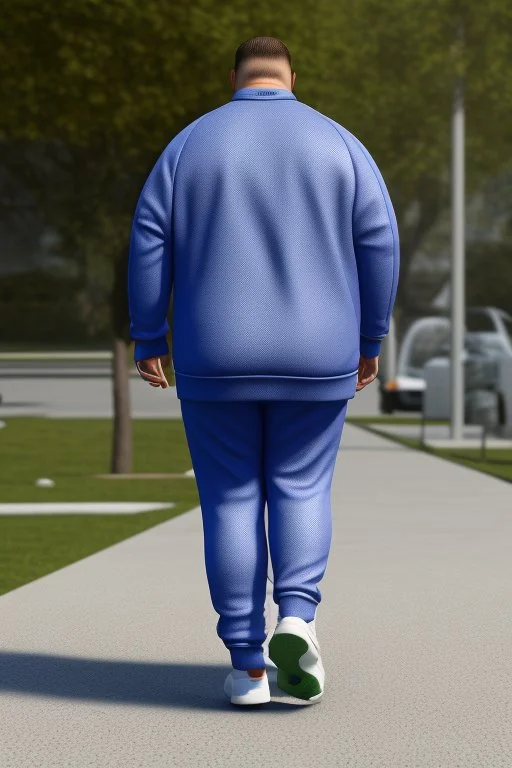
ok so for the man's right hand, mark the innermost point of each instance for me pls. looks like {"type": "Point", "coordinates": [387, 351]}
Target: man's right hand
{"type": "Point", "coordinates": [368, 370]}
{"type": "Point", "coordinates": [152, 370]}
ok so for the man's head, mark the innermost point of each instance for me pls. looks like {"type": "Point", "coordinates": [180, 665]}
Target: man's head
{"type": "Point", "coordinates": [262, 61]}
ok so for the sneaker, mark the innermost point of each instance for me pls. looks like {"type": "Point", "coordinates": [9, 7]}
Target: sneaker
{"type": "Point", "coordinates": [242, 689]}
{"type": "Point", "coordinates": [295, 650]}
{"type": "Point", "coordinates": [270, 667]}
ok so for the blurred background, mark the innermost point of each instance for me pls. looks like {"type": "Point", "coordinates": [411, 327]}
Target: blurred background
{"type": "Point", "coordinates": [91, 93]}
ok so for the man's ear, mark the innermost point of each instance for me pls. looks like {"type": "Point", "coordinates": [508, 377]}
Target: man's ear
{"type": "Point", "coordinates": [232, 76]}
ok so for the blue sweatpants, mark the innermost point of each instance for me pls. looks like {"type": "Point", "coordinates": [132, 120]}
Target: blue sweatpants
{"type": "Point", "coordinates": [246, 454]}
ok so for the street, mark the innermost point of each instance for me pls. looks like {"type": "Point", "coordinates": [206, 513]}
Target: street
{"type": "Point", "coordinates": [64, 389]}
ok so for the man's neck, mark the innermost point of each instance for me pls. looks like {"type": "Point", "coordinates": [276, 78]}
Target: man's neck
{"type": "Point", "coordinates": [264, 84]}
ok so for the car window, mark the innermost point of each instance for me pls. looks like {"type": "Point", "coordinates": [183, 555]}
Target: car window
{"type": "Point", "coordinates": [479, 321]}
{"type": "Point", "coordinates": [428, 343]}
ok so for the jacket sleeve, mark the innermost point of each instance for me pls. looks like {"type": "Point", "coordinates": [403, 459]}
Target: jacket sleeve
{"type": "Point", "coordinates": [376, 246]}
{"type": "Point", "coordinates": [149, 263]}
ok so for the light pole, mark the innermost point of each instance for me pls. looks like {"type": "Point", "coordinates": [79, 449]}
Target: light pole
{"type": "Point", "coordinates": [392, 351]}
{"type": "Point", "coordinates": [458, 299]}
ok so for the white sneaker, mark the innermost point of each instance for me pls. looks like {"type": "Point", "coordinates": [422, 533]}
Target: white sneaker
{"type": "Point", "coordinates": [295, 650]}
{"type": "Point", "coordinates": [241, 689]}
{"type": "Point", "coordinates": [270, 667]}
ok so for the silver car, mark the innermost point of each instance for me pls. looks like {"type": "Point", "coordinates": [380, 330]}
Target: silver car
{"type": "Point", "coordinates": [487, 328]}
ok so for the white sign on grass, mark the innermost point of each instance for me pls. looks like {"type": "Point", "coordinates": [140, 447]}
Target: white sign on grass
{"type": "Point", "coordinates": [83, 508]}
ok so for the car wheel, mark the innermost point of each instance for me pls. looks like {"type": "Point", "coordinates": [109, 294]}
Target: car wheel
{"type": "Point", "coordinates": [387, 402]}
{"type": "Point", "coordinates": [502, 410]}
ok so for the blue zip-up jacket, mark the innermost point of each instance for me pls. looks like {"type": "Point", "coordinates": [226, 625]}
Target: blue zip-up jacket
{"type": "Point", "coordinates": [274, 228]}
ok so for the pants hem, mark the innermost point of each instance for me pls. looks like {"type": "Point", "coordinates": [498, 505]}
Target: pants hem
{"type": "Point", "coordinates": [247, 657]}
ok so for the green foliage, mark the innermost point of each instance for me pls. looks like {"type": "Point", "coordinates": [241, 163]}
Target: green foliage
{"type": "Point", "coordinates": [39, 307]}
{"type": "Point", "coordinates": [105, 86]}
{"type": "Point", "coordinates": [489, 275]}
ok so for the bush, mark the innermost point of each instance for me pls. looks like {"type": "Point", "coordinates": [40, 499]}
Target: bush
{"type": "Point", "coordinates": [41, 307]}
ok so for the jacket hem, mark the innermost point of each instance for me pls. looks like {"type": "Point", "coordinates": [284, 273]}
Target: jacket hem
{"type": "Point", "coordinates": [265, 387]}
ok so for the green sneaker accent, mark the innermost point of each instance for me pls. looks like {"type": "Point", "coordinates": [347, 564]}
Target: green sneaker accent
{"type": "Point", "coordinates": [285, 651]}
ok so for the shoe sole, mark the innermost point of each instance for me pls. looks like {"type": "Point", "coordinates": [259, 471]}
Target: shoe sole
{"type": "Point", "coordinates": [256, 696]}
{"type": "Point", "coordinates": [286, 650]}
{"type": "Point", "coordinates": [243, 702]}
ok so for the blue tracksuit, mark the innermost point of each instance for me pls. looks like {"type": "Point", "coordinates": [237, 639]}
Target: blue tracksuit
{"type": "Point", "coordinates": [273, 226]}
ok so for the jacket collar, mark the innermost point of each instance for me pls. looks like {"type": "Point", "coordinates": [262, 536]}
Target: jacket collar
{"type": "Point", "coordinates": [263, 94]}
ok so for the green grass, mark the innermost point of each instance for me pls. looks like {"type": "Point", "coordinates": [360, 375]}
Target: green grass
{"type": "Point", "coordinates": [400, 421]}
{"type": "Point", "coordinates": [71, 452]}
{"type": "Point", "coordinates": [497, 461]}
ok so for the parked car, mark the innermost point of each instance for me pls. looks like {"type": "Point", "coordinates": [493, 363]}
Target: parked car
{"type": "Point", "coordinates": [486, 327]}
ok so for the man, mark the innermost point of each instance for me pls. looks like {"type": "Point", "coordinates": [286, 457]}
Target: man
{"type": "Point", "coordinates": [274, 227]}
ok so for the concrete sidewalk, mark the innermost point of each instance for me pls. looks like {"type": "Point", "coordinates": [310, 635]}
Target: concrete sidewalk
{"type": "Point", "coordinates": [114, 662]}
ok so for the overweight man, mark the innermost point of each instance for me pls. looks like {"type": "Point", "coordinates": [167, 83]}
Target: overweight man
{"type": "Point", "coordinates": [273, 225]}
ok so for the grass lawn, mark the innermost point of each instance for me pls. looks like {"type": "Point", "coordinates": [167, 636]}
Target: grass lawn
{"type": "Point", "coordinates": [400, 421]}
{"type": "Point", "coordinates": [497, 462]}
{"type": "Point", "coordinates": [70, 452]}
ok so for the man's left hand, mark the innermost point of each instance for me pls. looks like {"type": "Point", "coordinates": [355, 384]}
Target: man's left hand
{"type": "Point", "coordinates": [368, 370]}
{"type": "Point", "coordinates": [152, 370]}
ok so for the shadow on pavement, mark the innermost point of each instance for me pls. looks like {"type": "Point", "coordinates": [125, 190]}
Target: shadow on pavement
{"type": "Point", "coordinates": [144, 683]}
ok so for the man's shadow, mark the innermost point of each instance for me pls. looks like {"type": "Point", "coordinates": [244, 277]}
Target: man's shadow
{"type": "Point", "coordinates": [144, 683]}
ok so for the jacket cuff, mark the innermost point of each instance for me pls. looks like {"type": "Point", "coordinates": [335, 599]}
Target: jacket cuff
{"type": "Point", "coordinates": [370, 347]}
{"type": "Point", "coordinates": [154, 348]}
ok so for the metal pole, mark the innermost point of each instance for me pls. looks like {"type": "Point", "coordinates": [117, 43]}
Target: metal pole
{"type": "Point", "coordinates": [458, 264]}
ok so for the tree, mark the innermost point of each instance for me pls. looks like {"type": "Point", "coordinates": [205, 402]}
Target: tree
{"type": "Point", "coordinates": [105, 103]}
{"type": "Point", "coordinates": [104, 87]}
{"type": "Point", "coordinates": [392, 69]}
{"type": "Point", "coordinates": [489, 278]}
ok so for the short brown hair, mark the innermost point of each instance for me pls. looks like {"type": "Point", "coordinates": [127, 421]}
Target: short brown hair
{"type": "Point", "coordinates": [262, 47]}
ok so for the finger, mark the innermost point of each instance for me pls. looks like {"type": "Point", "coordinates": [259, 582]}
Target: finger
{"type": "Point", "coordinates": [151, 378]}
{"type": "Point", "coordinates": [147, 375]}
{"type": "Point", "coordinates": [155, 381]}
{"type": "Point", "coordinates": [163, 380]}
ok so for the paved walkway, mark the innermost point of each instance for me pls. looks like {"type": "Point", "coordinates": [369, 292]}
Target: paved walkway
{"type": "Point", "coordinates": [114, 662]}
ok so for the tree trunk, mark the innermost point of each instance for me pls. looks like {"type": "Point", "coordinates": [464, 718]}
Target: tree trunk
{"type": "Point", "coordinates": [122, 434]}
